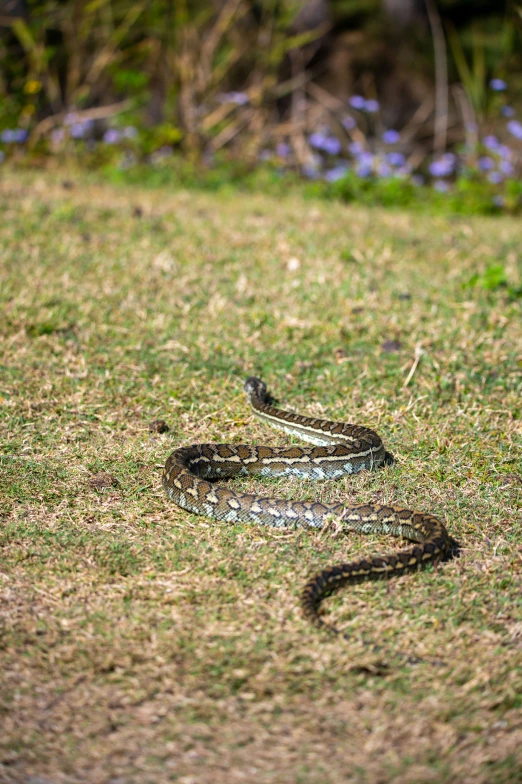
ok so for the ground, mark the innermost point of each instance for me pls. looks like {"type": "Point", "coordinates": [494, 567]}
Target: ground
{"type": "Point", "coordinates": [144, 644]}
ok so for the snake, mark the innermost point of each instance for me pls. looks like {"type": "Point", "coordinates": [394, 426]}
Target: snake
{"type": "Point", "coordinates": [339, 448]}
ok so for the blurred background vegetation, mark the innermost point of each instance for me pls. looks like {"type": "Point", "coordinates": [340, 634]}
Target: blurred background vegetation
{"type": "Point", "coordinates": [362, 97]}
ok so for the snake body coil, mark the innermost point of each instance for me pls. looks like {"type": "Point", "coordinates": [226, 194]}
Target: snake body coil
{"type": "Point", "coordinates": [340, 449]}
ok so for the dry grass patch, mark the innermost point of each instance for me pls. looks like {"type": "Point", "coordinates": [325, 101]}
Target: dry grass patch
{"type": "Point", "coordinates": [143, 644]}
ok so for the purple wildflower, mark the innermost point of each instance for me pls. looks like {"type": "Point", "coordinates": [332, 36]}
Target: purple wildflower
{"type": "Point", "coordinates": [348, 123]}
{"type": "Point", "coordinates": [396, 158]}
{"type": "Point", "coordinates": [391, 136]}
{"type": "Point", "coordinates": [506, 168]}
{"type": "Point", "coordinates": [78, 130]}
{"type": "Point", "coordinates": [337, 173]}
{"type": "Point", "coordinates": [318, 140]}
{"type": "Point", "coordinates": [491, 142]}
{"type": "Point", "coordinates": [498, 85]}
{"type": "Point", "coordinates": [111, 136]}
{"type": "Point", "coordinates": [443, 167]}
{"type": "Point", "coordinates": [507, 111]}
{"type": "Point", "coordinates": [504, 151]}
{"type": "Point", "coordinates": [485, 163]}
{"type": "Point", "coordinates": [372, 106]}
{"type": "Point", "coordinates": [365, 157]}
{"type": "Point", "coordinates": [495, 177]}
{"type": "Point", "coordinates": [283, 150]}
{"type": "Point", "coordinates": [441, 185]}
{"type": "Point", "coordinates": [363, 170]}
{"type": "Point", "coordinates": [357, 102]}
{"type": "Point", "coordinates": [14, 136]}
{"type": "Point", "coordinates": [328, 144]}
{"type": "Point", "coordinates": [515, 128]}
{"type": "Point", "coordinates": [364, 164]}
{"type": "Point", "coordinates": [356, 148]}
{"type": "Point", "coordinates": [81, 129]}
{"type": "Point", "coordinates": [332, 146]}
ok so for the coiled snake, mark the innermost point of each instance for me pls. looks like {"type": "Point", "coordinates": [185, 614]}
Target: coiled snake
{"type": "Point", "coordinates": [340, 449]}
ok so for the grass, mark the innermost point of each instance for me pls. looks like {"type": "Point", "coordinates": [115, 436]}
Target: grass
{"type": "Point", "coordinates": [144, 644]}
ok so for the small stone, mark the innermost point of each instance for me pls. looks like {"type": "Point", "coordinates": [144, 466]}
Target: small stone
{"type": "Point", "coordinates": [158, 426]}
{"type": "Point", "coordinates": [102, 481]}
{"type": "Point", "coordinates": [391, 346]}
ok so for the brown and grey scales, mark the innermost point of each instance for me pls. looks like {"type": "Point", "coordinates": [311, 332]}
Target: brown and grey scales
{"type": "Point", "coordinates": [340, 449]}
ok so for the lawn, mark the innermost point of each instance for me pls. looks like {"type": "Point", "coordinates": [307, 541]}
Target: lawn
{"type": "Point", "coordinates": [141, 644]}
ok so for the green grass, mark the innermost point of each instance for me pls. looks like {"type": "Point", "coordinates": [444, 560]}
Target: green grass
{"type": "Point", "coordinates": [143, 644]}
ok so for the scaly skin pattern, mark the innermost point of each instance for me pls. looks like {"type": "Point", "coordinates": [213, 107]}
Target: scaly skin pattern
{"type": "Point", "coordinates": [339, 449]}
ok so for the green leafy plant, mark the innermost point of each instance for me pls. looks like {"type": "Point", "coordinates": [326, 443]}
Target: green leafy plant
{"type": "Point", "coordinates": [494, 278]}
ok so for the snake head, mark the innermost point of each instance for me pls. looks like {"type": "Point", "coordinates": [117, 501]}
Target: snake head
{"type": "Point", "coordinates": [255, 388]}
